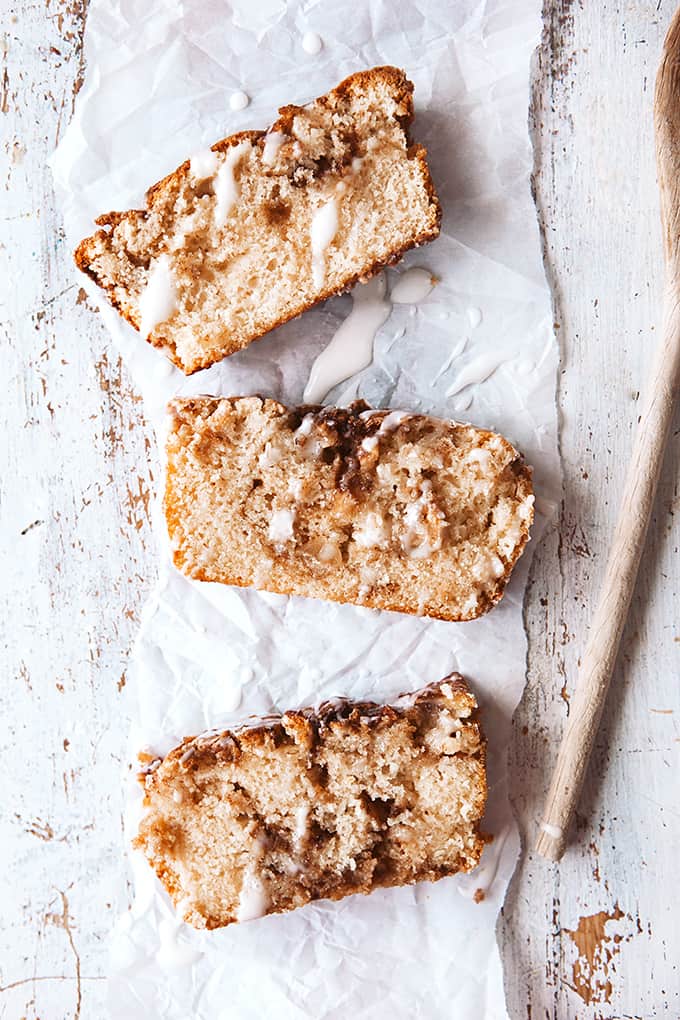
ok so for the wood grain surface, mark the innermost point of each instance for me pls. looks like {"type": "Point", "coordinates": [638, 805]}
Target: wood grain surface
{"type": "Point", "coordinates": [591, 937]}
{"type": "Point", "coordinates": [75, 480]}
{"type": "Point", "coordinates": [594, 936]}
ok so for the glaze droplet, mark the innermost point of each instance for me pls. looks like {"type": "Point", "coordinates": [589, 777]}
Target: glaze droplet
{"type": "Point", "coordinates": [463, 403]}
{"type": "Point", "coordinates": [476, 372]}
{"type": "Point", "coordinates": [233, 696]}
{"type": "Point", "coordinates": [412, 286]}
{"type": "Point", "coordinates": [238, 100]}
{"type": "Point", "coordinates": [163, 369]}
{"type": "Point", "coordinates": [312, 43]}
{"type": "Point", "coordinates": [474, 316]}
{"type": "Point", "coordinates": [171, 953]}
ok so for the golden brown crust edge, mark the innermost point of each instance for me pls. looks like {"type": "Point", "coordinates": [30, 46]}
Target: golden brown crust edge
{"type": "Point", "coordinates": [204, 748]}
{"type": "Point", "coordinates": [83, 253]}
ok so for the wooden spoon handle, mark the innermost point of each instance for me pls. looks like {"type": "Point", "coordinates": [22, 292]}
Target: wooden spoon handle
{"type": "Point", "coordinates": [610, 616]}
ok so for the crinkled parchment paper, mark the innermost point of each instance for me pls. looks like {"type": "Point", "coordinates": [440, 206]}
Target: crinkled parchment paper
{"type": "Point", "coordinates": [159, 77]}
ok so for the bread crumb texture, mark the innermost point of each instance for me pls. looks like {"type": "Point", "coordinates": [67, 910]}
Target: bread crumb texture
{"type": "Point", "coordinates": [317, 804]}
{"type": "Point", "coordinates": [250, 233]}
{"type": "Point", "coordinates": [382, 508]}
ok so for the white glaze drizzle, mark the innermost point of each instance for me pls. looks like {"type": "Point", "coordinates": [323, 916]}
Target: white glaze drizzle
{"type": "Point", "coordinates": [226, 187]}
{"type": "Point", "coordinates": [281, 526]}
{"type": "Point", "coordinates": [351, 349]}
{"type": "Point", "coordinates": [253, 900]}
{"type": "Point", "coordinates": [272, 143]}
{"type": "Point", "coordinates": [203, 164]}
{"type": "Point", "coordinates": [412, 286]}
{"type": "Point", "coordinates": [295, 488]}
{"type": "Point", "coordinates": [301, 824]}
{"type": "Point", "coordinates": [476, 371]}
{"type": "Point", "coordinates": [480, 455]}
{"type": "Point", "coordinates": [270, 455]}
{"type": "Point", "coordinates": [391, 421]}
{"type": "Point", "coordinates": [159, 298]}
{"type": "Point", "coordinates": [310, 446]}
{"type": "Point", "coordinates": [412, 519]}
{"type": "Point", "coordinates": [323, 230]}
{"type": "Point", "coordinates": [370, 531]}
{"type": "Point", "coordinates": [306, 426]}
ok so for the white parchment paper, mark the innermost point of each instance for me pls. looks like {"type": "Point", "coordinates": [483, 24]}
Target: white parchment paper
{"type": "Point", "coordinates": [479, 347]}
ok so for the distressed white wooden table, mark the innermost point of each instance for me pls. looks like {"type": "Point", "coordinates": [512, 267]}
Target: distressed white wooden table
{"type": "Point", "coordinates": [593, 937]}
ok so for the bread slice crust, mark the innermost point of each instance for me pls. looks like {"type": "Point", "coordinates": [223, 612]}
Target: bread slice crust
{"type": "Point", "coordinates": [317, 803]}
{"type": "Point", "coordinates": [385, 509]}
{"type": "Point", "coordinates": [121, 255]}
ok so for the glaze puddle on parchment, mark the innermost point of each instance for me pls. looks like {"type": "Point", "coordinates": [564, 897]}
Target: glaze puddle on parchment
{"type": "Point", "coordinates": [351, 349]}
